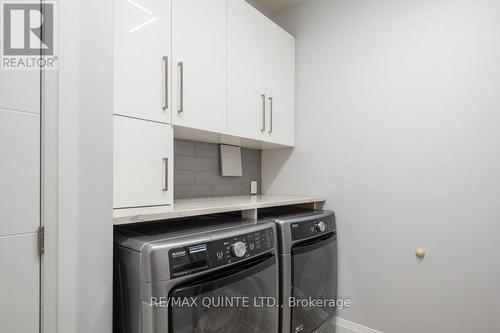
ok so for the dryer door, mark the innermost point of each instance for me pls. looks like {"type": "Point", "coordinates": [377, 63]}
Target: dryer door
{"type": "Point", "coordinates": [230, 300]}
{"type": "Point", "coordinates": [314, 266]}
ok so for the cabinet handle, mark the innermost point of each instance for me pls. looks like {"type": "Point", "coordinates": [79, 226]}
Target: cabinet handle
{"type": "Point", "coordinates": [271, 115]}
{"type": "Point", "coordinates": [263, 129]}
{"type": "Point", "coordinates": [181, 87]}
{"type": "Point", "coordinates": [165, 60]}
{"type": "Point", "coordinates": [165, 163]}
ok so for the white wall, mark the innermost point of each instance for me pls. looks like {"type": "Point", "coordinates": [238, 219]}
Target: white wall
{"type": "Point", "coordinates": [398, 123]}
{"type": "Point", "coordinates": [85, 166]}
{"type": "Point", "coordinates": [259, 7]}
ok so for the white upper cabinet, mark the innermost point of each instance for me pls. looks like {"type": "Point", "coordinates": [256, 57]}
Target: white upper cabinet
{"type": "Point", "coordinates": [199, 64]}
{"type": "Point", "coordinates": [142, 64]}
{"type": "Point", "coordinates": [280, 90]}
{"type": "Point", "coordinates": [247, 63]}
{"type": "Point", "coordinates": [261, 77]}
{"type": "Point", "coordinates": [143, 163]}
{"type": "Point", "coordinates": [217, 66]}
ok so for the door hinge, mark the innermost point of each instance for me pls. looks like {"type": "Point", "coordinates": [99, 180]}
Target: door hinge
{"type": "Point", "coordinates": [41, 240]}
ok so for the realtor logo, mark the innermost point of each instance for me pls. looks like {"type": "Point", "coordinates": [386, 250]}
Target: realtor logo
{"type": "Point", "coordinates": [28, 35]}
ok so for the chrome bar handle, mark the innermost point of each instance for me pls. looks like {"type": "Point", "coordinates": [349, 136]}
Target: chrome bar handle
{"type": "Point", "coordinates": [263, 129]}
{"type": "Point", "coordinates": [165, 162]}
{"type": "Point", "coordinates": [165, 60]}
{"type": "Point", "coordinates": [271, 115]}
{"type": "Point", "coordinates": [181, 87]}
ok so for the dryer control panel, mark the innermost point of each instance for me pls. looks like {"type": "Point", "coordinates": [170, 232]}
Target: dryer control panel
{"type": "Point", "coordinates": [195, 258]}
{"type": "Point", "coordinates": [313, 227]}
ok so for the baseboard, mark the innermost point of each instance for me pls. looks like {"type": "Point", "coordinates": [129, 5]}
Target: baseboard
{"type": "Point", "coordinates": [346, 326]}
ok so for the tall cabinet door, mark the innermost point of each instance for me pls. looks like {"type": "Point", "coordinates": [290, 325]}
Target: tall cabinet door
{"type": "Point", "coordinates": [20, 219]}
{"type": "Point", "coordinates": [19, 172]}
{"type": "Point", "coordinates": [20, 90]}
{"type": "Point", "coordinates": [142, 59]}
{"type": "Point", "coordinates": [19, 284]}
{"type": "Point", "coordinates": [19, 201]}
{"type": "Point", "coordinates": [199, 64]}
{"type": "Point", "coordinates": [143, 163]}
{"type": "Point", "coordinates": [247, 63]}
{"type": "Point", "coordinates": [280, 73]}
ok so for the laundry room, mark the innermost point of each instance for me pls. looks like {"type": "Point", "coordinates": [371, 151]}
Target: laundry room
{"type": "Point", "coordinates": [249, 166]}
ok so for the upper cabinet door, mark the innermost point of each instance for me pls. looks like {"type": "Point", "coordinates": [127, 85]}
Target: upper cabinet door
{"type": "Point", "coordinates": [280, 86]}
{"type": "Point", "coordinates": [142, 62]}
{"type": "Point", "coordinates": [247, 63]}
{"type": "Point", "coordinates": [199, 64]}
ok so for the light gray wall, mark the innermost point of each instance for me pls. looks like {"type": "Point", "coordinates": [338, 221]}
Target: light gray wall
{"type": "Point", "coordinates": [198, 171]}
{"type": "Point", "coordinates": [398, 123]}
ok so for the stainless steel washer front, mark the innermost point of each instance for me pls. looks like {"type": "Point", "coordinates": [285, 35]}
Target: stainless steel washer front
{"type": "Point", "coordinates": [308, 268]}
{"type": "Point", "coordinates": [163, 272]}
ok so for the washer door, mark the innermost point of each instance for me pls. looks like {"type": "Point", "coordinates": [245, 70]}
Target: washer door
{"type": "Point", "coordinates": [228, 301]}
{"type": "Point", "coordinates": [314, 266]}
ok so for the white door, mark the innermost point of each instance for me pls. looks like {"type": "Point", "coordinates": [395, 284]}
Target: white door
{"type": "Point", "coordinates": [247, 63]}
{"type": "Point", "coordinates": [199, 64]}
{"type": "Point", "coordinates": [19, 172]}
{"type": "Point", "coordinates": [19, 284]}
{"type": "Point", "coordinates": [19, 201]}
{"type": "Point", "coordinates": [280, 86]}
{"type": "Point", "coordinates": [142, 59]}
{"type": "Point", "coordinates": [20, 90]}
{"type": "Point", "coordinates": [143, 163]}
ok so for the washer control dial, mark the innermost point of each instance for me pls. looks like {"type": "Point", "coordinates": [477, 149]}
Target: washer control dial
{"type": "Point", "coordinates": [320, 226]}
{"type": "Point", "coordinates": [239, 249]}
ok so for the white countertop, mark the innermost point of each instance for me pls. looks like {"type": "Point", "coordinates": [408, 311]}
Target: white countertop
{"type": "Point", "coordinates": [203, 206]}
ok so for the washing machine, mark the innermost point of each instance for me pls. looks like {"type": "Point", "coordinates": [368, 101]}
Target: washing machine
{"type": "Point", "coordinates": [204, 275]}
{"type": "Point", "coordinates": [308, 268]}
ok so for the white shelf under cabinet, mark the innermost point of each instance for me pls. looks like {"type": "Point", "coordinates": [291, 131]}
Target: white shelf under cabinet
{"type": "Point", "coordinates": [212, 205]}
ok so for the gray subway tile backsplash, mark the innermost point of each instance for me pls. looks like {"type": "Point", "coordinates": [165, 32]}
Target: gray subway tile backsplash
{"type": "Point", "coordinates": [214, 177]}
{"type": "Point", "coordinates": [197, 171]}
{"type": "Point", "coordinates": [193, 163]}
{"type": "Point", "coordinates": [185, 148]}
{"type": "Point", "coordinates": [192, 191]}
{"type": "Point", "coordinates": [184, 177]}
{"type": "Point", "coordinates": [248, 154]}
{"type": "Point", "coordinates": [249, 166]}
{"type": "Point", "coordinates": [226, 189]}
{"type": "Point", "coordinates": [207, 150]}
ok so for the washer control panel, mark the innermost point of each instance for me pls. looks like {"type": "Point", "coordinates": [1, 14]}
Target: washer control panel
{"type": "Point", "coordinates": [192, 259]}
{"type": "Point", "coordinates": [236, 248]}
{"type": "Point", "coordinates": [312, 227]}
